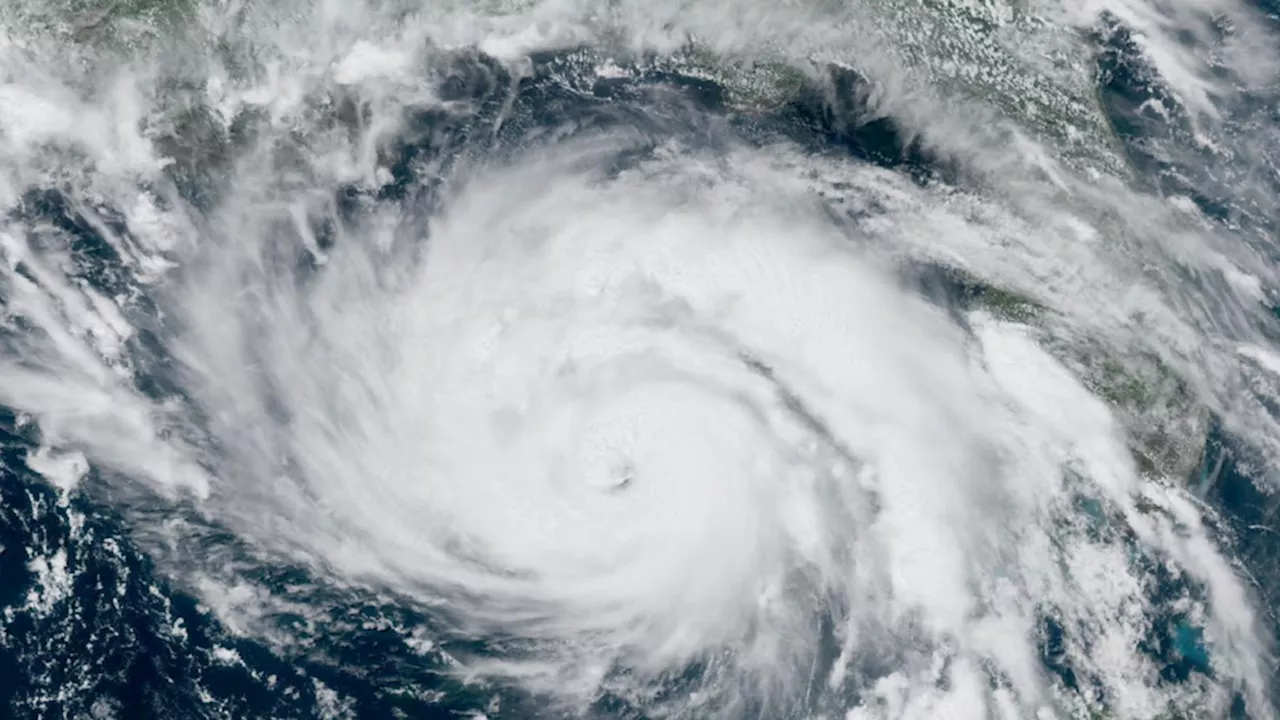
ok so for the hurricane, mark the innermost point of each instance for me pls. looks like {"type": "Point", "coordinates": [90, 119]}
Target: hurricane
{"type": "Point", "coordinates": [874, 360]}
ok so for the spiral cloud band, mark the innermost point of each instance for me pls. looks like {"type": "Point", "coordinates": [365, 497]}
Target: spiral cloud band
{"type": "Point", "coordinates": [675, 416]}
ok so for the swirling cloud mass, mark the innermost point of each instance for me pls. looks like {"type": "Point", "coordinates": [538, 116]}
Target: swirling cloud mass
{"type": "Point", "coordinates": [612, 342]}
